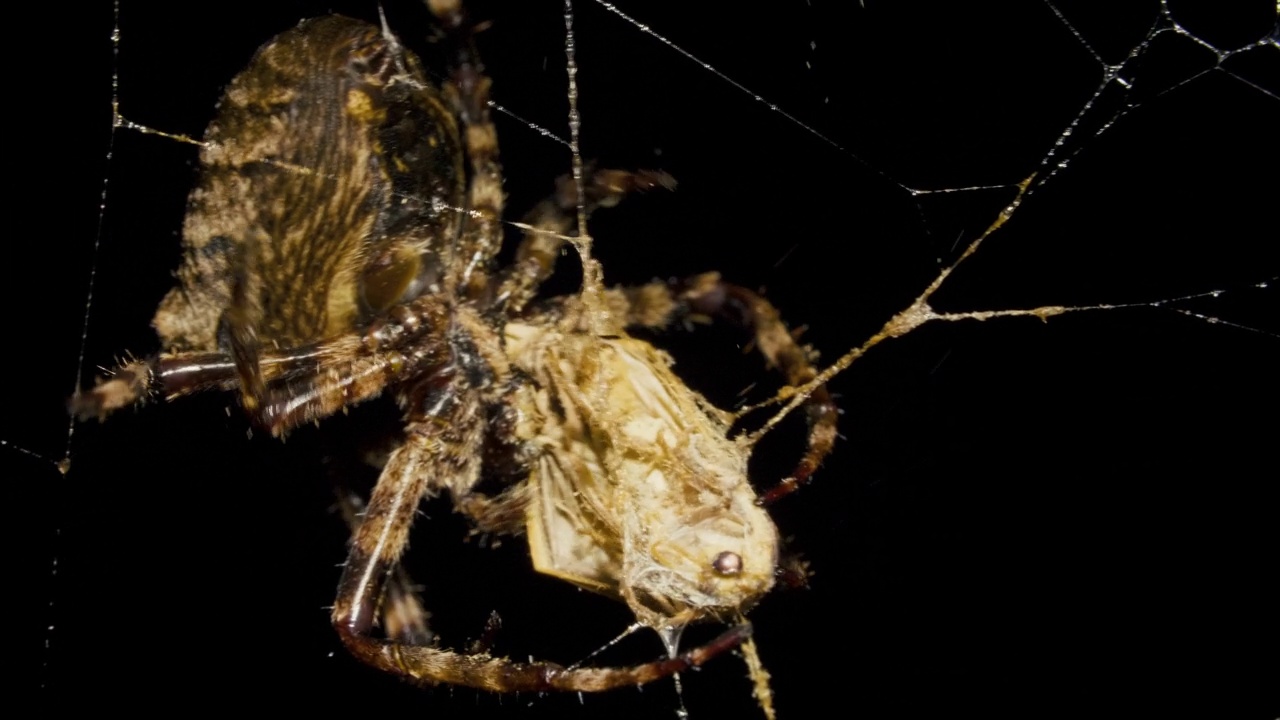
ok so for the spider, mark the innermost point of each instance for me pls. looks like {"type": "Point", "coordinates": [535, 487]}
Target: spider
{"type": "Point", "coordinates": [341, 245]}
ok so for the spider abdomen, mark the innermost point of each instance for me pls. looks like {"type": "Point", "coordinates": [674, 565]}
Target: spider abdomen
{"type": "Point", "coordinates": [329, 179]}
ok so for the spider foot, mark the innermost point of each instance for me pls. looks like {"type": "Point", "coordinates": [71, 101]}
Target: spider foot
{"type": "Point", "coordinates": [129, 384]}
{"type": "Point", "coordinates": [605, 188]}
{"type": "Point", "coordinates": [431, 666]}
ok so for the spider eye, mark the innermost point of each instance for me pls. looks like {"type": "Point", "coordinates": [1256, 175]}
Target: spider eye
{"type": "Point", "coordinates": [727, 563]}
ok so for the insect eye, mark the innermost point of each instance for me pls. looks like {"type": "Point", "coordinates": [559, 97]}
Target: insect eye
{"type": "Point", "coordinates": [727, 563]}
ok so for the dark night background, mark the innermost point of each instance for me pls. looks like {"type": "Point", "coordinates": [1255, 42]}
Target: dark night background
{"type": "Point", "coordinates": [1024, 518]}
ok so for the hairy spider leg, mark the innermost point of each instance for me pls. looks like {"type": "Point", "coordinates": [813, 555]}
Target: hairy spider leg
{"type": "Point", "coordinates": [404, 617]}
{"type": "Point", "coordinates": [549, 222]}
{"type": "Point", "coordinates": [708, 294]}
{"type": "Point", "coordinates": [660, 304]}
{"type": "Point", "coordinates": [466, 90]}
{"type": "Point", "coordinates": [302, 384]}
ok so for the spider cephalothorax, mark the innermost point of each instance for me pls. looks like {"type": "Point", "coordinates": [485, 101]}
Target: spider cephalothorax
{"type": "Point", "coordinates": [341, 243]}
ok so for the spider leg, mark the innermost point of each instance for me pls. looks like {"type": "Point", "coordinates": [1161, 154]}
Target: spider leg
{"type": "Point", "coordinates": [301, 384]}
{"type": "Point", "coordinates": [466, 90]}
{"type": "Point", "coordinates": [404, 618]}
{"type": "Point", "coordinates": [550, 221]}
{"type": "Point", "coordinates": [243, 333]}
{"type": "Point", "coordinates": [508, 460]}
{"type": "Point", "coordinates": [707, 294]}
{"type": "Point", "coordinates": [442, 450]}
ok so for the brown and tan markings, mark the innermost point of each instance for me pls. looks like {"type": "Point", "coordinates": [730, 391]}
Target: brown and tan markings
{"type": "Point", "coordinates": [340, 245]}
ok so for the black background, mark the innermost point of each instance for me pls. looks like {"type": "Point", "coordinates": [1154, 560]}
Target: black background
{"type": "Point", "coordinates": [1023, 517]}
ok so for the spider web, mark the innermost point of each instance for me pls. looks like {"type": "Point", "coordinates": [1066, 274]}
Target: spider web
{"type": "Point", "coordinates": [1023, 516]}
